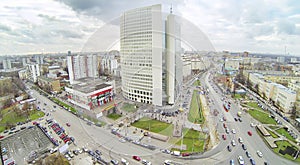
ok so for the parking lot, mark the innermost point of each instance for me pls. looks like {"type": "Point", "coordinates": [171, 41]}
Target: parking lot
{"type": "Point", "coordinates": [26, 145]}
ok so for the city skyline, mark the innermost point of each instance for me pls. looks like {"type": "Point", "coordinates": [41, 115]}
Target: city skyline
{"type": "Point", "coordinates": [58, 26]}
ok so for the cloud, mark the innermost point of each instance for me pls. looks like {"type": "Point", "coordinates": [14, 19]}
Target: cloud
{"type": "Point", "coordinates": [286, 27]}
{"type": "Point", "coordinates": [61, 25]}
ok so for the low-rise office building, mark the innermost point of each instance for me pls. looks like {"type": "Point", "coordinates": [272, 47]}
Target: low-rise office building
{"type": "Point", "coordinates": [49, 84]}
{"type": "Point", "coordinates": [91, 94]}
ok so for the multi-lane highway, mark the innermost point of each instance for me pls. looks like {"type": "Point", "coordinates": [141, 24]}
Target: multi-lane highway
{"type": "Point", "coordinates": [253, 142]}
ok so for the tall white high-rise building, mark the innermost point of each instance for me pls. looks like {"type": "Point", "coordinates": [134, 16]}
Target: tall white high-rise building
{"type": "Point", "coordinates": [6, 64]}
{"type": "Point", "coordinates": [145, 49]}
{"type": "Point", "coordinates": [81, 66]}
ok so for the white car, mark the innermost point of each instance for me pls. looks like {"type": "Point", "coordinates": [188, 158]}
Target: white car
{"type": "Point", "coordinates": [241, 160]}
{"type": "Point", "coordinates": [259, 153]}
{"type": "Point", "coordinates": [124, 161]}
{"type": "Point", "coordinates": [145, 162]}
{"type": "Point", "coordinates": [233, 143]}
{"type": "Point", "coordinates": [240, 140]}
{"type": "Point", "coordinates": [233, 131]}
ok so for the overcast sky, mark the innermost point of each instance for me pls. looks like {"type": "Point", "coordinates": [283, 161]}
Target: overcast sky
{"type": "Point", "coordinates": [262, 26]}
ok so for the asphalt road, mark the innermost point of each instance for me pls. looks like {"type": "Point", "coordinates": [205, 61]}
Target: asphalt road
{"type": "Point", "coordinates": [253, 142]}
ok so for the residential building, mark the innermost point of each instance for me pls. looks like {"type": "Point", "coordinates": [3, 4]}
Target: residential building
{"type": "Point", "coordinates": [81, 66]}
{"type": "Point", "coordinates": [7, 64]}
{"type": "Point", "coordinates": [295, 86]}
{"type": "Point", "coordinates": [49, 84]}
{"type": "Point", "coordinates": [284, 98]}
{"type": "Point", "coordinates": [23, 74]}
{"type": "Point", "coordinates": [33, 71]}
{"type": "Point", "coordinates": [281, 59]}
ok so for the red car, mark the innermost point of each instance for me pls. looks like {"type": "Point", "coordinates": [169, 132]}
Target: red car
{"type": "Point", "coordinates": [224, 136]}
{"type": "Point", "coordinates": [185, 154]}
{"type": "Point", "coordinates": [1, 137]}
{"type": "Point", "coordinates": [249, 133]}
{"type": "Point", "coordinates": [136, 158]}
{"type": "Point", "coordinates": [68, 124]}
{"type": "Point", "coordinates": [224, 125]}
{"type": "Point", "coordinates": [34, 123]}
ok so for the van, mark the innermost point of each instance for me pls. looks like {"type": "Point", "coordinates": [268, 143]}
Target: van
{"type": "Point", "coordinates": [176, 153]}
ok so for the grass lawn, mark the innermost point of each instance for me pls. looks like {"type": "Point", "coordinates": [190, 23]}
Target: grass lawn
{"type": "Point", "coordinates": [253, 105]}
{"type": "Point", "coordinates": [262, 117]}
{"type": "Point", "coordinates": [282, 131]}
{"type": "Point", "coordinates": [63, 104]}
{"type": "Point", "coordinates": [197, 83]}
{"type": "Point", "coordinates": [154, 126]}
{"type": "Point", "coordinates": [114, 116]}
{"type": "Point", "coordinates": [11, 118]}
{"type": "Point", "coordinates": [195, 113]}
{"type": "Point", "coordinates": [272, 134]}
{"type": "Point", "coordinates": [237, 96]}
{"type": "Point", "coordinates": [282, 145]}
{"type": "Point", "coordinates": [129, 107]}
{"type": "Point", "coordinates": [273, 127]}
{"type": "Point", "coordinates": [193, 140]}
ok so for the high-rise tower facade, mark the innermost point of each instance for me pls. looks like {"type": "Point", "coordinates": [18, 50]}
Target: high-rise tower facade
{"type": "Point", "coordinates": [143, 47]}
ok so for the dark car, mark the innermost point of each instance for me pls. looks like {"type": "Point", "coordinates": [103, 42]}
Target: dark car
{"type": "Point", "coordinates": [229, 148]}
{"type": "Point", "coordinates": [252, 161]}
{"type": "Point", "coordinates": [244, 147]}
{"type": "Point", "coordinates": [235, 119]}
{"type": "Point", "coordinates": [248, 154]}
{"type": "Point", "coordinates": [98, 152]}
{"type": "Point", "coordinates": [240, 119]}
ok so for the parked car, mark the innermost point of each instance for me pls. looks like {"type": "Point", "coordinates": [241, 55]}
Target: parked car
{"type": "Point", "coordinates": [136, 158]}
{"type": "Point", "coordinates": [248, 154]}
{"type": "Point", "coordinates": [229, 148]}
{"type": "Point", "coordinates": [244, 147]}
{"type": "Point", "coordinates": [241, 160]}
{"type": "Point", "coordinates": [233, 131]}
{"type": "Point", "coordinates": [68, 124]}
{"type": "Point", "coordinates": [114, 162]}
{"type": "Point", "coordinates": [249, 133]}
{"type": "Point", "coordinates": [252, 161]}
{"type": "Point", "coordinates": [240, 140]}
{"type": "Point", "coordinates": [224, 137]}
{"type": "Point", "coordinates": [185, 154]}
{"type": "Point", "coordinates": [259, 153]}
{"type": "Point", "coordinates": [233, 143]}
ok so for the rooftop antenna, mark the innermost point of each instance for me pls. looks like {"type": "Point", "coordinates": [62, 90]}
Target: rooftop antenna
{"type": "Point", "coordinates": [171, 9]}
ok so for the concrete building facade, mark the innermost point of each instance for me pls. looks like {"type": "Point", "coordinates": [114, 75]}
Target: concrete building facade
{"type": "Point", "coordinates": [144, 76]}
{"type": "Point", "coordinates": [81, 66]}
{"type": "Point", "coordinates": [91, 95]}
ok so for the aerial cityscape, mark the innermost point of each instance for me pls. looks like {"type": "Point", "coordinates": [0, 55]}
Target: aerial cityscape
{"type": "Point", "coordinates": [150, 82]}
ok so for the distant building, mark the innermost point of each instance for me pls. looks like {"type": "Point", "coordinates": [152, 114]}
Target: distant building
{"type": "Point", "coordinates": [295, 86]}
{"type": "Point", "coordinates": [48, 84]}
{"type": "Point", "coordinates": [284, 97]}
{"type": "Point", "coordinates": [23, 74]}
{"type": "Point", "coordinates": [81, 66]}
{"type": "Point", "coordinates": [6, 64]}
{"type": "Point", "coordinates": [281, 59]}
{"type": "Point", "coordinates": [281, 96]}
{"type": "Point", "coordinates": [33, 71]}
{"type": "Point", "coordinates": [91, 94]}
